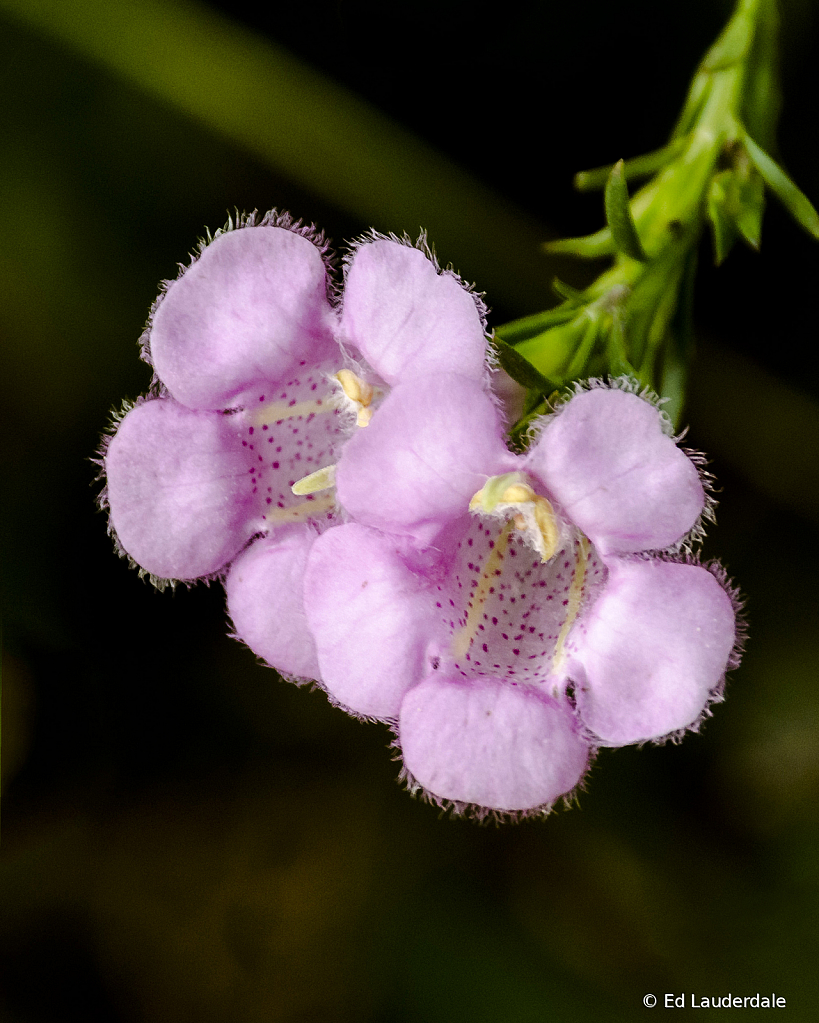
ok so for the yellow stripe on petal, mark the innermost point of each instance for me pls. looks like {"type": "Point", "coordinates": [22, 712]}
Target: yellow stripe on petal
{"type": "Point", "coordinates": [464, 636]}
{"type": "Point", "coordinates": [301, 512]}
{"type": "Point", "coordinates": [575, 593]}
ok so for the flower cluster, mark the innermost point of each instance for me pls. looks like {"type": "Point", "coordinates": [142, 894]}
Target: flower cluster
{"type": "Point", "coordinates": [338, 459]}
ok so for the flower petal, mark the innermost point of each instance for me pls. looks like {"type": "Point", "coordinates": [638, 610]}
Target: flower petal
{"type": "Point", "coordinates": [265, 591]}
{"type": "Point", "coordinates": [430, 446]}
{"type": "Point", "coordinates": [371, 617]}
{"type": "Point", "coordinates": [607, 462]}
{"type": "Point", "coordinates": [654, 648]}
{"type": "Point", "coordinates": [252, 306]}
{"type": "Point", "coordinates": [490, 743]}
{"type": "Point", "coordinates": [406, 318]}
{"type": "Point", "coordinates": [177, 489]}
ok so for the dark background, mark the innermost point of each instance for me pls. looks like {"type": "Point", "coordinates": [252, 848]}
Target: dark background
{"type": "Point", "coordinates": [185, 837]}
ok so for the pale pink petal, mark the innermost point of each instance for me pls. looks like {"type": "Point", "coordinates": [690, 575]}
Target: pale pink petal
{"type": "Point", "coordinates": [654, 649]}
{"type": "Point", "coordinates": [265, 591]}
{"type": "Point", "coordinates": [616, 475]}
{"type": "Point", "coordinates": [177, 489]}
{"type": "Point", "coordinates": [406, 318]}
{"type": "Point", "coordinates": [430, 447]}
{"type": "Point", "coordinates": [250, 308]}
{"type": "Point", "coordinates": [486, 742]}
{"type": "Point", "coordinates": [372, 619]}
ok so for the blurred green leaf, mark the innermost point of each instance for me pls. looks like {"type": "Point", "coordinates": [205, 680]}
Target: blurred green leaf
{"type": "Point", "coordinates": [618, 215]}
{"type": "Point", "coordinates": [517, 331]}
{"type": "Point", "coordinates": [722, 216]}
{"type": "Point", "coordinates": [590, 246]}
{"type": "Point", "coordinates": [303, 124]}
{"type": "Point", "coordinates": [520, 369]}
{"type": "Point", "coordinates": [567, 292]}
{"type": "Point", "coordinates": [638, 167]}
{"type": "Point", "coordinates": [751, 208]}
{"type": "Point", "coordinates": [789, 194]}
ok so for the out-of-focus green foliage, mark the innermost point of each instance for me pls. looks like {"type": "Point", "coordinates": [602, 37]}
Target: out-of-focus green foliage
{"type": "Point", "coordinates": [185, 837]}
{"type": "Point", "coordinates": [635, 318]}
{"type": "Point", "coordinates": [301, 124]}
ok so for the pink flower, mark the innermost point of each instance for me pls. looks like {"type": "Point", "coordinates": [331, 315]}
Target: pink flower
{"type": "Point", "coordinates": [503, 612]}
{"type": "Point", "coordinates": [260, 377]}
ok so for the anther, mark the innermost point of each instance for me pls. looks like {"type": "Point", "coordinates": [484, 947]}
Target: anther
{"type": "Point", "coordinates": [360, 394]}
{"type": "Point", "coordinates": [321, 479]}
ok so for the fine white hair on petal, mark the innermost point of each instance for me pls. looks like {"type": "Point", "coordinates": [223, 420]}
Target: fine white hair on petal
{"type": "Point", "coordinates": [423, 244]}
{"type": "Point", "coordinates": [694, 537]}
{"type": "Point", "coordinates": [477, 812]}
{"type": "Point", "coordinates": [237, 222]}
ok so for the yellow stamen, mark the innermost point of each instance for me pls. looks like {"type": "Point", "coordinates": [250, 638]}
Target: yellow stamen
{"type": "Point", "coordinates": [354, 387]}
{"type": "Point", "coordinates": [516, 493]}
{"type": "Point", "coordinates": [529, 511]}
{"type": "Point", "coordinates": [575, 593]}
{"type": "Point", "coordinates": [321, 479]}
{"type": "Point", "coordinates": [301, 512]}
{"type": "Point", "coordinates": [546, 522]}
{"type": "Point", "coordinates": [491, 570]}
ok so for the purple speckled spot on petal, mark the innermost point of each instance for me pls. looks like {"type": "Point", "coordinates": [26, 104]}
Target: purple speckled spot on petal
{"type": "Point", "coordinates": [290, 431]}
{"type": "Point", "coordinates": [517, 629]}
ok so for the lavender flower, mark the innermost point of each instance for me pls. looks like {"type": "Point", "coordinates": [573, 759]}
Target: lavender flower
{"type": "Point", "coordinates": [504, 612]}
{"type": "Point", "coordinates": [260, 377]}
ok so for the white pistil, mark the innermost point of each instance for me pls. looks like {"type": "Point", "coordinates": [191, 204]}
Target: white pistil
{"type": "Point", "coordinates": [491, 570]}
{"type": "Point", "coordinates": [300, 512]}
{"type": "Point", "coordinates": [321, 479]}
{"type": "Point", "coordinates": [575, 593]}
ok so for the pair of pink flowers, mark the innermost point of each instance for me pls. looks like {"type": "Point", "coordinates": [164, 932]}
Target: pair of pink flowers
{"type": "Point", "coordinates": [500, 611]}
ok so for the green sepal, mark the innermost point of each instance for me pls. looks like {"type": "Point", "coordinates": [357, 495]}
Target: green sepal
{"type": "Point", "coordinates": [520, 369]}
{"type": "Point", "coordinates": [788, 193]}
{"type": "Point", "coordinates": [618, 215]}
{"type": "Point", "coordinates": [518, 435]}
{"type": "Point", "coordinates": [637, 167]}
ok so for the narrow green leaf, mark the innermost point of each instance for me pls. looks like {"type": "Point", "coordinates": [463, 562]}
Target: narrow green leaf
{"type": "Point", "coordinates": [550, 351]}
{"type": "Point", "coordinates": [751, 208]}
{"type": "Point", "coordinates": [788, 193]}
{"type": "Point", "coordinates": [618, 215]}
{"type": "Point", "coordinates": [733, 44]}
{"type": "Point", "coordinates": [566, 291]}
{"type": "Point", "coordinates": [591, 246]}
{"type": "Point", "coordinates": [637, 167]}
{"type": "Point", "coordinates": [521, 370]}
{"type": "Point", "coordinates": [678, 354]}
{"type": "Point", "coordinates": [517, 331]}
{"type": "Point", "coordinates": [722, 214]}
{"type": "Point", "coordinates": [584, 350]}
